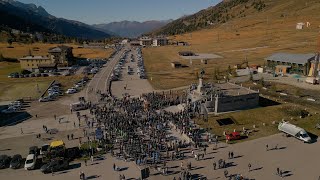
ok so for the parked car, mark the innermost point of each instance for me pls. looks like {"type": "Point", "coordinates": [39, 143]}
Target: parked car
{"type": "Point", "coordinates": [55, 165]}
{"type": "Point", "coordinates": [44, 99]}
{"type": "Point", "coordinates": [233, 136]}
{"type": "Point", "coordinates": [4, 161]}
{"type": "Point", "coordinates": [30, 162]}
{"type": "Point", "coordinates": [34, 150]}
{"type": "Point", "coordinates": [44, 149]}
{"type": "Point", "coordinates": [16, 161]}
{"type": "Point", "coordinates": [8, 111]}
{"type": "Point", "coordinates": [71, 91]}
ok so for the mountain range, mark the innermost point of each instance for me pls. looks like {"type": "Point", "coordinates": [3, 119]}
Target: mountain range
{"type": "Point", "coordinates": [131, 29]}
{"type": "Point", "coordinates": [29, 17]}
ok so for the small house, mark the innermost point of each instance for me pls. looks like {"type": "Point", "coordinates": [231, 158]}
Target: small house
{"type": "Point", "coordinates": [300, 25]}
{"type": "Point", "coordinates": [176, 64]}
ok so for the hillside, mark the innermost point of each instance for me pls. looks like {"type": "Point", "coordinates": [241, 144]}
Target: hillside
{"type": "Point", "coordinates": [255, 36]}
{"type": "Point", "coordinates": [131, 28]}
{"type": "Point", "coordinates": [213, 16]}
{"type": "Point", "coordinates": [33, 18]}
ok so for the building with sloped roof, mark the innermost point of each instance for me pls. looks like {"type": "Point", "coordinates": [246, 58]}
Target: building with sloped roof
{"type": "Point", "coordinates": [284, 63]}
{"type": "Point", "coordinates": [62, 55]}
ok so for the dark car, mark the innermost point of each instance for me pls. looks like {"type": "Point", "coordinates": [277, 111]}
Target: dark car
{"type": "Point", "coordinates": [58, 164]}
{"type": "Point", "coordinates": [16, 161]}
{"type": "Point", "coordinates": [34, 150]}
{"type": "Point", "coordinates": [4, 161]}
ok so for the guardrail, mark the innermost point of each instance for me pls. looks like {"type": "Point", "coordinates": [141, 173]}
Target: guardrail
{"type": "Point", "coordinates": [47, 89]}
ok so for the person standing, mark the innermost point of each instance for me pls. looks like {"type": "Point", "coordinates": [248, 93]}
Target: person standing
{"type": "Point", "coordinates": [231, 154]}
{"type": "Point", "coordinates": [214, 165]}
{"type": "Point", "coordinates": [21, 131]}
{"type": "Point", "coordinates": [278, 171]}
{"type": "Point", "coordinates": [85, 162]}
{"type": "Point", "coordinates": [267, 147]}
{"type": "Point", "coordinates": [91, 159]}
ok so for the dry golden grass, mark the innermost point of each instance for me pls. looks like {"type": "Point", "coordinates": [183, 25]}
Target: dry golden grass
{"type": "Point", "coordinates": [266, 29]}
{"type": "Point", "coordinates": [91, 53]}
{"type": "Point", "coordinates": [259, 116]}
{"type": "Point", "coordinates": [15, 88]}
{"type": "Point", "coordinates": [21, 50]}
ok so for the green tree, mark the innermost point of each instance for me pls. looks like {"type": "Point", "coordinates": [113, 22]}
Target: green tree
{"type": "Point", "coordinates": [261, 81]}
{"type": "Point", "coordinates": [29, 52]}
{"type": "Point", "coordinates": [229, 69]}
{"type": "Point", "coordinates": [9, 41]}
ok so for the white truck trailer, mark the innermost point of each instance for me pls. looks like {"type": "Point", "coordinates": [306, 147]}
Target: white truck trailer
{"type": "Point", "coordinates": [294, 131]}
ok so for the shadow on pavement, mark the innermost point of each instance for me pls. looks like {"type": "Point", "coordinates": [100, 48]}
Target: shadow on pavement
{"type": "Point", "coordinates": [75, 166]}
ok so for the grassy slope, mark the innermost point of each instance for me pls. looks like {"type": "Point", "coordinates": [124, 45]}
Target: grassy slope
{"type": "Point", "coordinates": [259, 116]}
{"type": "Point", "coordinates": [21, 50]}
{"type": "Point", "coordinates": [265, 28]}
{"type": "Point", "coordinates": [11, 89]}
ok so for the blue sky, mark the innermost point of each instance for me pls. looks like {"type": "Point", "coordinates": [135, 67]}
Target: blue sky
{"type": "Point", "coordinates": [103, 11]}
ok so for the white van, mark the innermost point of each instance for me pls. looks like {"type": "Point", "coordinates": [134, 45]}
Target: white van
{"type": "Point", "coordinates": [294, 131]}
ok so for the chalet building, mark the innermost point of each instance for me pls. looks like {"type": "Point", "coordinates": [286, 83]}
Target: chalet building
{"type": "Point", "coordinates": [62, 55]}
{"type": "Point", "coordinates": [285, 63]}
{"type": "Point", "coordinates": [58, 56]}
{"type": "Point", "coordinates": [32, 63]}
{"type": "Point", "coordinates": [145, 41]}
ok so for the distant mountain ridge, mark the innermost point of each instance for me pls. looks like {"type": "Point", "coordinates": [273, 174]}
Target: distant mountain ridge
{"type": "Point", "coordinates": [131, 29]}
{"type": "Point", "coordinates": [36, 18]}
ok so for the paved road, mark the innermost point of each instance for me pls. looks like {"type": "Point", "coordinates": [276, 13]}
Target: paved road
{"type": "Point", "coordinates": [99, 81]}
{"type": "Point", "coordinates": [134, 85]}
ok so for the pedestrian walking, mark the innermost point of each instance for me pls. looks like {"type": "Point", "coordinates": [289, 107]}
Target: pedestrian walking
{"type": "Point", "coordinates": [114, 166]}
{"type": "Point", "coordinates": [72, 136]}
{"type": "Point", "coordinates": [91, 158]}
{"type": "Point", "coordinates": [226, 173]}
{"type": "Point", "coordinates": [55, 117]}
{"type": "Point", "coordinates": [21, 131]}
{"type": "Point", "coordinates": [278, 171]}
{"type": "Point", "coordinates": [249, 166]}
{"type": "Point", "coordinates": [85, 162]}
{"type": "Point", "coordinates": [214, 165]}
{"type": "Point", "coordinates": [231, 154]}
{"type": "Point", "coordinates": [68, 137]}
{"type": "Point", "coordinates": [52, 173]}
{"type": "Point", "coordinates": [267, 147]}
{"type": "Point", "coordinates": [74, 124]}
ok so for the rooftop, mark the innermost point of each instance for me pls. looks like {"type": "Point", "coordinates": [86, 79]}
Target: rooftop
{"type": "Point", "coordinates": [175, 62]}
{"type": "Point", "coordinates": [35, 58]}
{"type": "Point", "coordinates": [229, 89]}
{"type": "Point", "coordinates": [291, 58]}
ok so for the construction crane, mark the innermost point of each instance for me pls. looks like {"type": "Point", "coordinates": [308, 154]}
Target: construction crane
{"type": "Point", "coordinates": [314, 68]}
